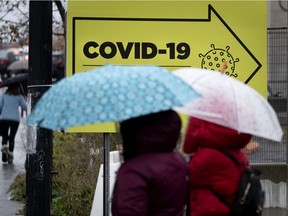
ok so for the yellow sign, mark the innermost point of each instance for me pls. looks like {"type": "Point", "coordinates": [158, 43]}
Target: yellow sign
{"type": "Point", "coordinates": [172, 34]}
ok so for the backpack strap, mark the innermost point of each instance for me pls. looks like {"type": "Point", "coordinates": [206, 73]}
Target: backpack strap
{"type": "Point", "coordinates": [221, 198]}
{"type": "Point", "coordinates": [236, 162]}
{"type": "Point", "coordinates": [231, 157]}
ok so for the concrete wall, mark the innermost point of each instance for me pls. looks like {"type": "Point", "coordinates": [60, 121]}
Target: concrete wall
{"type": "Point", "coordinates": [274, 179]}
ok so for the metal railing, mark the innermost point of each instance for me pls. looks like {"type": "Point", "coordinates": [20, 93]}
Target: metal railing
{"type": "Point", "coordinates": [274, 152]}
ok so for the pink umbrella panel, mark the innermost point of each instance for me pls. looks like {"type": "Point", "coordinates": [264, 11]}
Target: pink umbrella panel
{"type": "Point", "coordinates": [230, 103]}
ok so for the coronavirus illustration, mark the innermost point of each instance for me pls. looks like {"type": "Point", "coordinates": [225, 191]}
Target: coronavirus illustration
{"type": "Point", "coordinates": [215, 59]}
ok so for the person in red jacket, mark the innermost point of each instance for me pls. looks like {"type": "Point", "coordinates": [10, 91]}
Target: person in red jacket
{"type": "Point", "coordinates": [212, 173]}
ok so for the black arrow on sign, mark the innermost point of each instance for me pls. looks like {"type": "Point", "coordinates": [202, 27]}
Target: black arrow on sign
{"type": "Point", "coordinates": [210, 11]}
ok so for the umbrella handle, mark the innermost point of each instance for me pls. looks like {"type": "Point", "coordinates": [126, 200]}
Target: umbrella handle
{"type": "Point", "coordinates": [22, 89]}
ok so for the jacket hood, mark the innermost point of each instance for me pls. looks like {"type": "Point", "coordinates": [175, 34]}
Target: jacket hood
{"type": "Point", "coordinates": [202, 133]}
{"type": "Point", "coordinates": [153, 133]}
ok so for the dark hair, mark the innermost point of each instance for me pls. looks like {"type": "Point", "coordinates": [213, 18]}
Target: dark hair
{"type": "Point", "coordinates": [13, 89]}
{"type": "Point", "coordinates": [153, 133]}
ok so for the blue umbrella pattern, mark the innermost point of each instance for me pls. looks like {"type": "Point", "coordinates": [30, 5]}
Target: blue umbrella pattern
{"type": "Point", "coordinates": [111, 93]}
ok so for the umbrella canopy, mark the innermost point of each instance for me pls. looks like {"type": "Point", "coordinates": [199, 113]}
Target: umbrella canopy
{"type": "Point", "coordinates": [110, 94]}
{"type": "Point", "coordinates": [18, 65]}
{"type": "Point", "coordinates": [230, 103]}
{"type": "Point", "coordinates": [19, 78]}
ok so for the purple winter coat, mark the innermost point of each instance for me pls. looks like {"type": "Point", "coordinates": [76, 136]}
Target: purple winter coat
{"type": "Point", "coordinates": [152, 181]}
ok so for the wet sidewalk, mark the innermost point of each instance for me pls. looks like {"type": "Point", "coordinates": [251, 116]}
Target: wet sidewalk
{"type": "Point", "coordinates": [8, 172]}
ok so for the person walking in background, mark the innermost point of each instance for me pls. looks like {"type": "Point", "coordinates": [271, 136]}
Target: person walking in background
{"type": "Point", "coordinates": [152, 180]}
{"type": "Point", "coordinates": [214, 178]}
{"type": "Point", "coordinates": [10, 102]}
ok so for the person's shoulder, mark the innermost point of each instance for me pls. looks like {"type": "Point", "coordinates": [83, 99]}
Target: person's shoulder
{"type": "Point", "coordinates": [19, 96]}
{"type": "Point", "coordinates": [216, 156]}
{"type": "Point", "coordinates": [22, 98]}
{"type": "Point", "coordinates": [16, 97]}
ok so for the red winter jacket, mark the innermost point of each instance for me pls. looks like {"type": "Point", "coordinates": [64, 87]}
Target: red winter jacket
{"type": "Point", "coordinates": [211, 170]}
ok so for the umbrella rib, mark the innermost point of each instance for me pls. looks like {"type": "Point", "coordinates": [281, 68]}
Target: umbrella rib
{"type": "Point", "coordinates": [198, 79]}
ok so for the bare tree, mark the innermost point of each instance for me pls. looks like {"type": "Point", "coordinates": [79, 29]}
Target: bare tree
{"type": "Point", "coordinates": [59, 5]}
{"type": "Point", "coordinates": [14, 21]}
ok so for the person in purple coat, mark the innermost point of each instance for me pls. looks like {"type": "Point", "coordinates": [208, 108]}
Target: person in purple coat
{"type": "Point", "coordinates": [152, 180]}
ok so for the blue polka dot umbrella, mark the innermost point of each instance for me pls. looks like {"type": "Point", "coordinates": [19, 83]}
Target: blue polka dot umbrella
{"type": "Point", "coordinates": [109, 93]}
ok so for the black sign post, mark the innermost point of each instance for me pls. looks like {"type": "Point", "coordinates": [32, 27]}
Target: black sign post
{"type": "Point", "coordinates": [39, 140]}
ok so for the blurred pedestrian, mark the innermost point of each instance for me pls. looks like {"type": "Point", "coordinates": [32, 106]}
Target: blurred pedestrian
{"type": "Point", "coordinates": [58, 70]}
{"type": "Point", "coordinates": [152, 180]}
{"type": "Point", "coordinates": [10, 102]}
{"type": "Point", "coordinates": [214, 178]}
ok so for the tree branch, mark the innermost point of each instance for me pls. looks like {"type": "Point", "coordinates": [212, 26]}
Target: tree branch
{"type": "Point", "coordinates": [61, 9]}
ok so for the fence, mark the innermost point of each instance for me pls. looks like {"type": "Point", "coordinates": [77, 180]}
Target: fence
{"type": "Point", "coordinates": [273, 152]}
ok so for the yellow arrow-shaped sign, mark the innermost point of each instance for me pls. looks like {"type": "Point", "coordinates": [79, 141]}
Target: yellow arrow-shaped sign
{"type": "Point", "coordinates": [195, 42]}
{"type": "Point", "coordinates": [201, 34]}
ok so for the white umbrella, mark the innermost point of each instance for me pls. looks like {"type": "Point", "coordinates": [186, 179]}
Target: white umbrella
{"type": "Point", "coordinates": [230, 103]}
{"type": "Point", "coordinates": [18, 65]}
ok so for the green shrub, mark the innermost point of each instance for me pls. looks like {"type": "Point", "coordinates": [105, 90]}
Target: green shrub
{"type": "Point", "coordinates": [76, 159]}
{"type": "Point", "coordinates": [18, 188]}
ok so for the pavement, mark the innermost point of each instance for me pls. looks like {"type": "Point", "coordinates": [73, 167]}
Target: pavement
{"type": "Point", "coordinates": [8, 173]}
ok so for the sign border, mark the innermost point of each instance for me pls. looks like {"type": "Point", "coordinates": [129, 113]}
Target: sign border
{"type": "Point", "coordinates": [210, 9]}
